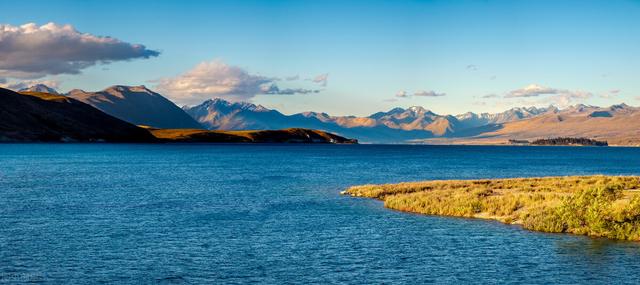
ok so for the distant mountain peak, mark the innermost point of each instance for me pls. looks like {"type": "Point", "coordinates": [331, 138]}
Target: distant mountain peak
{"type": "Point", "coordinates": [621, 106]}
{"type": "Point", "coordinates": [419, 110]}
{"type": "Point", "coordinates": [39, 88]}
{"type": "Point", "coordinates": [75, 92]}
{"type": "Point", "coordinates": [137, 105]}
{"type": "Point", "coordinates": [219, 102]}
{"type": "Point", "coordinates": [121, 90]}
{"type": "Point", "coordinates": [580, 108]}
{"type": "Point", "coordinates": [215, 101]}
{"type": "Point", "coordinates": [313, 114]}
{"type": "Point", "coordinates": [396, 110]}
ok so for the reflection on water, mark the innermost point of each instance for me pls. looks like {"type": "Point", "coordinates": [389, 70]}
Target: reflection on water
{"type": "Point", "coordinates": [598, 254]}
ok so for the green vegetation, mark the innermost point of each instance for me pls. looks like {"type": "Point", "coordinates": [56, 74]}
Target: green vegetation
{"type": "Point", "coordinates": [561, 141]}
{"type": "Point", "coordinates": [569, 141]}
{"type": "Point", "coordinates": [599, 206]}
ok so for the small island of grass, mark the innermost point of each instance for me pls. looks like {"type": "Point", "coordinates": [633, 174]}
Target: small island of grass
{"type": "Point", "coordinates": [598, 206]}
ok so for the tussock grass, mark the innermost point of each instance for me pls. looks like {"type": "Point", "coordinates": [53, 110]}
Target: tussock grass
{"type": "Point", "coordinates": [599, 206]}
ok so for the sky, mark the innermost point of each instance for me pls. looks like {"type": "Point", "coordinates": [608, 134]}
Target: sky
{"type": "Point", "coordinates": [339, 57]}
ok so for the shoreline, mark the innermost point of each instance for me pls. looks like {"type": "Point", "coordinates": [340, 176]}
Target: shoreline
{"type": "Point", "coordinates": [177, 142]}
{"type": "Point", "coordinates": [595, 206]}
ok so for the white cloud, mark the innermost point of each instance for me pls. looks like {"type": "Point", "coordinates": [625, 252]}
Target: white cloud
{"type": "Point", "coordinates": [214, 78]}
{"type": "Point", "coordinates": [560, 97]}
{"type": "Point", "coordinates": [492, 95]}
{"type": "Point", "coordinates": [218, 79]}
{"type": "Point", "coordinates": [321, 79]}
{"type": "Point", "coordinates": [402, 94]}
{"type": "Point", "coordinates": [532, 90]}
{"type": "Point", "coordinates": [570, 97]}
{"type": "Point", "coordinates": [532, 95]}
{"type": "Point", "coordinates": [611, 94]}
{"type": "Point", "coordinates": [421, 93]}
{"type": "Point", "coordinates": [31, 51]}
{"type": "Point", "coordinates": [430, 93]}
{"type": "Point", "coordinates": [472, 67]}
{"type": "Point", "coordinates": [273, 89]}
{"type": "Point", "coordinates": [18, 85]}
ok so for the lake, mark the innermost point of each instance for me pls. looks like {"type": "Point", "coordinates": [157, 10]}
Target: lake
{"type": "Point", "coordinates": [206, 213]}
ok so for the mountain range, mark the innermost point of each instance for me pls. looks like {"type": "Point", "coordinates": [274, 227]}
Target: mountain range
{"type": "Point", "coordinates": [138, 105]}
{"type": "Point", "coordinates": [395, 126]}
{"type": "Point", "coordinates": [35, 116]}
{"type": "Point", "coordinates": [616, 124]}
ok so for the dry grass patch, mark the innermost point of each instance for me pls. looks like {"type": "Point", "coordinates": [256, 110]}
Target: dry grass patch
{"type": "Point", "coordinates": [603, 206]}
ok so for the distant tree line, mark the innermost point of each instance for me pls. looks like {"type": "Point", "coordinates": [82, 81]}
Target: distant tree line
{"type": "Point", "coordinates": [569, 141]}
{"type": "Point", "coordinates": [518, 141]}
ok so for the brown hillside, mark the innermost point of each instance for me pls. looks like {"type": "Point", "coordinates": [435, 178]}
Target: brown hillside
{"type": "Point", "coordinates": [618, 125]}
{"type": "Point", "coordinates": [35, 116]}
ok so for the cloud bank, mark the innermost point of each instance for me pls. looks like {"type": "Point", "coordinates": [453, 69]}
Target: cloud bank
{"type": "Point", "coordinates": [218, 79]}
{"type": "Point", "coordinates": [19, 85]}
{"type": "Point", "coordinates": [611, 94]}
{"type": "Point", "coordinates": [559, 97]}
{"type": "Point", "coordinates": [273, 89]}
{"type": "Point", "coordinates": [430, 93]}
{"type": "Point", "coordinates": [31, 51]}
{"type": "Point", "coordinates": [535, 90]}
{"type": "Point", "coordinates": [532, 90]}
{"type": "Point", "coordinates": [420, 93]}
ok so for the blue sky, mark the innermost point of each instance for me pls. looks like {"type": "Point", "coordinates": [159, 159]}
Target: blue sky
{"type": "Point", "coordinates": [371, 50]}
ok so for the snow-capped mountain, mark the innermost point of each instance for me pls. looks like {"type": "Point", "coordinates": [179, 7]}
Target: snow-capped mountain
{"type": "Point", "coordinates": [39, 88]}
{"type": "Point", "coordinates": [141, 106]}
{"type": "Point", "coordinates": [394, 125]}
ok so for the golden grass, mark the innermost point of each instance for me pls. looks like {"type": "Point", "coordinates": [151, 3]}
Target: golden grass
{"type": "Point", "coordinates": [45, 96]}
{"type": "Point", "coordinates": [257, 136]}
{"type": "Point", "coordinates": [600, 206]}
{"type": "Point", "coordinates": [195, 135]}
{"type": "Point", "coordinates": [185, 133]}
{"type": "Point", "coordinates": [173, 133]}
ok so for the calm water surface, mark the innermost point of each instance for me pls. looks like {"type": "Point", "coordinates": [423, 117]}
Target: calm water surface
{"type": "Point", "coordinates": [88, 213]}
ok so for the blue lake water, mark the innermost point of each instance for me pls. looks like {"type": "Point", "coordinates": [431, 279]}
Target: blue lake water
{"type": "Point", "coordinates": [88, 213]}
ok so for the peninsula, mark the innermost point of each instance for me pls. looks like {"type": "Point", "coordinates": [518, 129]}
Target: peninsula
{"type": "Point", "coordinates": [597, 206]}
{"type": "Point", "coordinates": [292, 135]}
